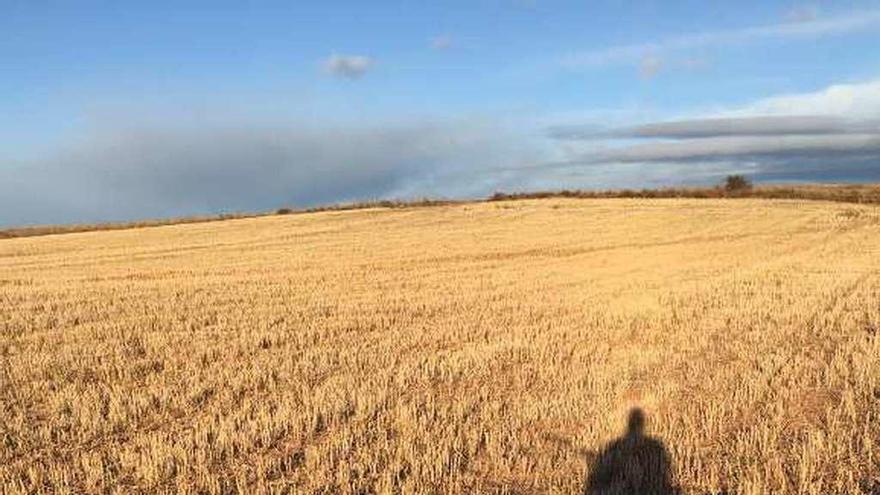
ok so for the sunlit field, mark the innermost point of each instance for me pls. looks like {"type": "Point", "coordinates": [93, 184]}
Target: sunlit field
{"type": "Point", "coordinates": [469, 348]}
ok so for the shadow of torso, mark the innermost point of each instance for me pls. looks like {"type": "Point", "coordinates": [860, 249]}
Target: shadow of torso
{"type": "Point", "coordinates": [632, 464]}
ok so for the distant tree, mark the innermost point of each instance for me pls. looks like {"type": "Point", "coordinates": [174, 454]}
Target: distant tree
{"type": "Point", "coordinates": [736, 183]}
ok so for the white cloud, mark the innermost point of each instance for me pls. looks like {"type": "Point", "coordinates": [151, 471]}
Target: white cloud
{"type": "Point", "coordinates": [802, 13]}
{"type": "Point", "coordinates": [442, 42]}
{"type": "Point", "coordinates": [348, 66]}
{"type": "Point", "coordinates": [847, 100]}
{"type": "Point", "coordinates": [695, 63]}
{"type": "Point", "coordinates": [650, 66]}
{"type": "Point", "coordinates": [800, 29]}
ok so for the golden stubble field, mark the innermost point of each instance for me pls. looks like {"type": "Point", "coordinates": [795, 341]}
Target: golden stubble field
{"type": "Point", "coordinates": [471, 348]}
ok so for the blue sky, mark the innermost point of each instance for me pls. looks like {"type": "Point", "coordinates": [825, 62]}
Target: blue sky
{"type": "Point", "coordinates": [114, 110]}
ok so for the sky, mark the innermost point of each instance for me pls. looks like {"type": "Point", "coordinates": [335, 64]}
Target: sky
{"type": "Point", "coordinates": [129, 110]}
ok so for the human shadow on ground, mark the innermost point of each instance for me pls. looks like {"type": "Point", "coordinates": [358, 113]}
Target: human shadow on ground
{"type": "Point", "coordinates": [635, 463]}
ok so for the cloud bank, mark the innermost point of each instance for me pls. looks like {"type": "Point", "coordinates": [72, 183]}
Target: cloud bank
{"type": "Point", "coordinates": [833, 133]}
{"type": "Point", "coordinates": [113, 174]}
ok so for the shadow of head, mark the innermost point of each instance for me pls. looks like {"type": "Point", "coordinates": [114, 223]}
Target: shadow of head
{"type": "Point", "coordinates": [634, 463]}
{"type": "Point", "coordinates": [635, 424]}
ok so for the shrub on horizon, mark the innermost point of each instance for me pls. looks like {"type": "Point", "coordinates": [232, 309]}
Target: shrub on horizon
{"type": "Point", "coordinates": [737, 183]}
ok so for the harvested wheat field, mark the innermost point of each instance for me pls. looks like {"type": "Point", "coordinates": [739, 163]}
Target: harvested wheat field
{"type": "Point", "coordinates": [468, 348]}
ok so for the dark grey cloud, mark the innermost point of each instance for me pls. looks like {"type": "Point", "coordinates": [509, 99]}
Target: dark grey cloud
{"type": "Point", "coordinates": [155, 172]}
{"type": "Point", "coordinates": [348, 66]}
{"type": "Point", "coordinates": [747, 147]}
{"type": "Point", "coordinates": [717, 127]}
{"type": "Point", "coordinates": [766, 149]}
